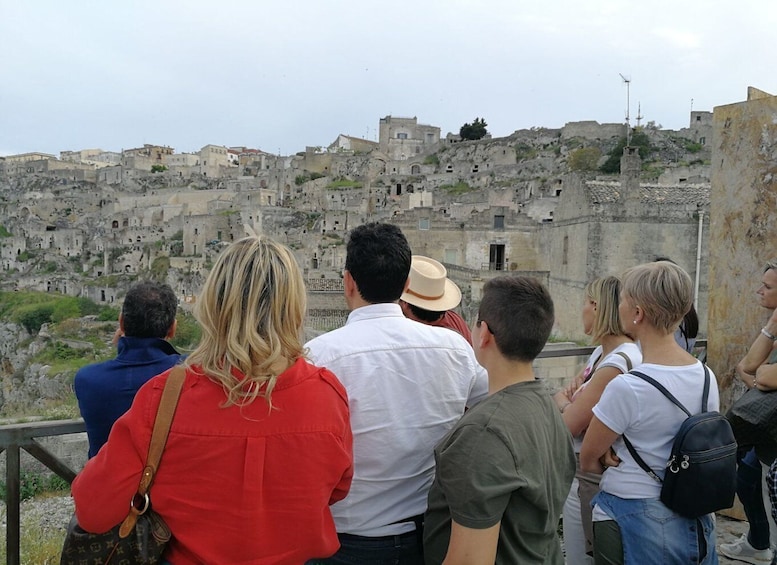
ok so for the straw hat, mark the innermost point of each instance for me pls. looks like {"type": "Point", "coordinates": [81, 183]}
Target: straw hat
{"type": "Point", "coordinates": [429, 288]}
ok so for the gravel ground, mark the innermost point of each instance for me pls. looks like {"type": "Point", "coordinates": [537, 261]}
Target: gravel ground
{"type": "Point", "coordinates": [53, 514]}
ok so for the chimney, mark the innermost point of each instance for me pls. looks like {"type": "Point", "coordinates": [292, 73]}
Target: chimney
{"type": "Point", "coordinates": [631, 165]}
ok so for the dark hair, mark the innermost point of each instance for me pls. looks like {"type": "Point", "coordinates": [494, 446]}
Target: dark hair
{"type": "Point", "coordinates": [378, 258]}
{"type": "Point", "coordinates": [149, 310]}
{"type": "Point", "coordinates": [425, 315]}
{"type": "Point", "coordinates": [519, 312]}
{"type": "Point", "coordinates": [689, 326]}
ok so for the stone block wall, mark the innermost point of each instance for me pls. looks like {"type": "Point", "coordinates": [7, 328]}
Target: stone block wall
{"type": "Point", "coordinates": [742, 231]}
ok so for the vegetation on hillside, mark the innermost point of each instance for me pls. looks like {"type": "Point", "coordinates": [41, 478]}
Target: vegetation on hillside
{"type": "Point", "coordinates": [584, 159]}
{"type": "Point", "coordinates": [342, 184]}
{"type": "Point", "coordinates": [33, 309]}
{"type": "Point", "coordinates": [639, 139]}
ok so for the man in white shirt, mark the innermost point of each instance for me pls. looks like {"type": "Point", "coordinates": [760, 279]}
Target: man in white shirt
{"type": "Point", "coordinates": [407, 384]}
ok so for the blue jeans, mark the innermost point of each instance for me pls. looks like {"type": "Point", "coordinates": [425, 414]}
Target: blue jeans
{"type": "Point", "coordinates": [750, 494]}
{"type": "Point", "coordinates": [652, 533]}
{"type": "Point", "coordinates": [404, 549]}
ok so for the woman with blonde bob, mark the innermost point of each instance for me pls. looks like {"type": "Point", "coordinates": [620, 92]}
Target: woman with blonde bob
{"type": "Point", "coordinates": [260, 444]}
{"type": "Point", "coordinates": [631, 524]}
{"type": "Point", "coordinates": [615, 353]}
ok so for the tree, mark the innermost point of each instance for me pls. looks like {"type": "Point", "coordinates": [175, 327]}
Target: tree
{"type": "Point", "coordinates": [475, 130]}
{"type": "Point", "coordinates": [584, 159]}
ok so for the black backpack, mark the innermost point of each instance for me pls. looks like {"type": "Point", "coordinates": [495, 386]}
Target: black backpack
{"type": "Point", "coordinates": [701, 472]}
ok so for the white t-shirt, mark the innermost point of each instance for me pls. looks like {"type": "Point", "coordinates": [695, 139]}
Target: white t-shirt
{"type": "Point", "coordinates": [631, 350]}
{"type": "Point", "coordinates": [632, 407]}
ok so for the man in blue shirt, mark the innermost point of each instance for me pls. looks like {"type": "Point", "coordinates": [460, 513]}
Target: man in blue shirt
{"type": "Point", "coordinates": [106, 390]}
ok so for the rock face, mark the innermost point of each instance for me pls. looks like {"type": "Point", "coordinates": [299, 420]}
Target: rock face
{"type": "Point", "coordinates": [25, 385]}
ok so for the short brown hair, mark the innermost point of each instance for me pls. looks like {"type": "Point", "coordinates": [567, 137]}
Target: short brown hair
{"type": "Point", "coordinates": [519, 312]}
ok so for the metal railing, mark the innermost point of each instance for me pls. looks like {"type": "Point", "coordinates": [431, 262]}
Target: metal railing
{"type": "Point", "coordinates": [15, 437]}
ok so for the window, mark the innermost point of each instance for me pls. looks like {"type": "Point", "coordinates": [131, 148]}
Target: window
{"type": "Point", "coordinates": [698, 118]}
{"type": "Point", "coordinates": [475, 168]}
{"type": "Point", "coordinates": [496, 257]}
{"type": "Point", "coordinates": [401, 136]}
{"type": "Point", "coordinates": [415, 170]}
{"type": "Point", "coordinates": [423, 224]}
{"type": "Point", "coordinates": [451, 256]}
{"type": "Point", "coordinates": [565, 250]}
{"type": "Point", "coordinates": [499, 222]}
{"type": "Point", "coordinates": [702, 141]}
{"type": "Point", "coordinates": [429, 138]}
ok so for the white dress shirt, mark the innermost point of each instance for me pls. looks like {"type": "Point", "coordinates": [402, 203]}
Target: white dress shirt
{"type": "Point", "coordinates": [408, 384]}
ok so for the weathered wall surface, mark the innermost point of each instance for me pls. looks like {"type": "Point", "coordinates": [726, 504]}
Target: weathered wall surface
{"type": "Point", "coordinates": [742, 233]}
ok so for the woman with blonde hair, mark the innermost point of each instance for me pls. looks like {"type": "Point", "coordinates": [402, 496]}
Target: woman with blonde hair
{"type": "Point", "coordinates": [615, 353]}
{"type": "Point", "coordinates": [260, 444]}
{"type": "Point", "coordinates": [631, 524]}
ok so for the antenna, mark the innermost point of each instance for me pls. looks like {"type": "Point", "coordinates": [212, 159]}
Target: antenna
{"type": "Point", "coordinates": [628, 126]}
{"type": "Point", "coordinates": [639, 113]}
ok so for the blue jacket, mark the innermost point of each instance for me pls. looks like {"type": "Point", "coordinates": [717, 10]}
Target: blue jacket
{"type": "Point", "coordinates": [105, 390]}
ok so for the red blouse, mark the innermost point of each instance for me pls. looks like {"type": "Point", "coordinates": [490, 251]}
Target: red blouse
{"type": "Point", "coordinates": [236, 485]}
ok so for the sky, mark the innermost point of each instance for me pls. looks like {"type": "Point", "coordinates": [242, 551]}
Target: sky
{"type": "Point", "coordinates": [282, 75]}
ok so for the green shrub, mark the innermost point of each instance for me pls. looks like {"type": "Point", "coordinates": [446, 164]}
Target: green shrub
{"type": "Point", "coordinates": [524, 151]}
{"type": "Point", "coordinates": [34, 316]}
{"type": "Point", "coordinates": [33, 484]}
{"type": "Point", "coordinates": [159, 268]}
{"type": "Point", "coordinates": [432, 159]}
{"type": "Point", "coordinates": [187, 332]}
{"type": "Point", "coordinates": [584, 159]}
{"type": "Point", "coordinates": [692, 147]}
{"type": "Point", "coordinates": [4, 232]}
{"type": "Point", "coordinates": [108, 314]}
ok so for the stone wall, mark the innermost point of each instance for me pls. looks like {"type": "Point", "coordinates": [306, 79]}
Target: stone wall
{"type": "Point", "coordinates": [742, 231]}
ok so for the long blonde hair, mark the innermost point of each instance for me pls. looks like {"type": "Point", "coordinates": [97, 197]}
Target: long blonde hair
{"type": "Point", "coordinates": [251, 312]}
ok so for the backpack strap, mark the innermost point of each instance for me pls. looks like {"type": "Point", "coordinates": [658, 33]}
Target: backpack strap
{"type": "Point", "coordinates": [705, 395]}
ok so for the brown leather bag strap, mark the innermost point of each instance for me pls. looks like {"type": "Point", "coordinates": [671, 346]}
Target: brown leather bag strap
{"type": "Point", "coordinates": [162, 423]}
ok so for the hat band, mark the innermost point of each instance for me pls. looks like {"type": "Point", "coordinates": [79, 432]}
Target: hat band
{"type": "Point", "coordinates": [424, 296]}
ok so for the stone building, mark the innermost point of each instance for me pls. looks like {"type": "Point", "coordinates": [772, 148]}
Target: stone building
{"type": "Point", "coordinates": [213, 158]}
{"type": "Point", "coordinates": [601, 228]}
{"type": "Point", "coordinates": [403, 138]}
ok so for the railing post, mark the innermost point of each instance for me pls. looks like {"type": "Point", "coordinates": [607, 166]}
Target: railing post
{"type": "Point", "coordinates": [12, 496]}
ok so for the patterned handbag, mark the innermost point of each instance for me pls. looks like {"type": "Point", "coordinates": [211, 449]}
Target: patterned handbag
{"type": "Point", "coordinates": [142, 536]}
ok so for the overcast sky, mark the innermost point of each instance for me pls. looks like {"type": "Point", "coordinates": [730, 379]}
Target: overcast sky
{"type": "Point", "coordinates": [282, 75]}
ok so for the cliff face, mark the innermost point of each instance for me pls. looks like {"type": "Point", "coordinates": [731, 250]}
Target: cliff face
{"type": "Point", "coordinates": [32, 378]}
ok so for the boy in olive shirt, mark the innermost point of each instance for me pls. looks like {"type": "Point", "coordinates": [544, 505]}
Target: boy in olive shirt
{"type": "Point", "coordinates": [503, 473]}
